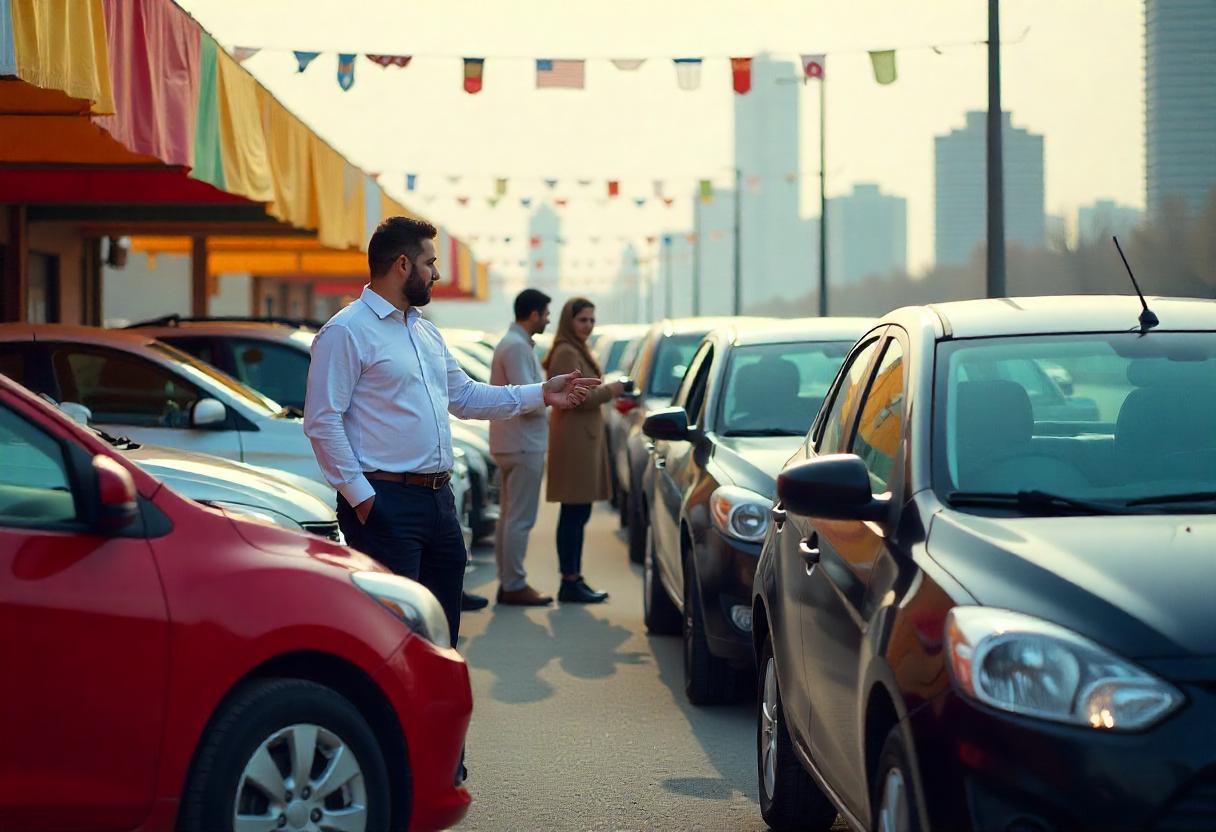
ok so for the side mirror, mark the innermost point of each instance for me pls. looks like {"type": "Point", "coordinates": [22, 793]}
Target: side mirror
{"type": "Point", "coordinates": [834, 487]}
{"type": "Point", "coordinates": [77, 412]}
{"type": "Point", "coordinates": [670, 424]}
{"type": "Point", "coordinates": [208, 413]}
{"type": "Point", "coordinates": [117, 503]}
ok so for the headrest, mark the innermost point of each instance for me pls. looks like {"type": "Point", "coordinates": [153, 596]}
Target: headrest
{"type": "Point", "coordinates": [992, 415]}
{"type": "Point", "coordinates": [1161, 372]}
{"type": "Point", "coordinates": [774, 378]}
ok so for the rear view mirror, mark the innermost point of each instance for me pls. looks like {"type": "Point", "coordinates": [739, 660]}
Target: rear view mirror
{"type": "Point", "coordinates": [208, 413]}
{"type": "Point", "coordinates": [669, 424]}
{"type": "Point", "coordinates": [116, 502]}
{"type": "Point", "coordinates": [834, 487]}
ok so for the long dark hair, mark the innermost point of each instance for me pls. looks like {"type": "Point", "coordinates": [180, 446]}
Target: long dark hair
{"type": "Point", "coordinates": [566, 335]}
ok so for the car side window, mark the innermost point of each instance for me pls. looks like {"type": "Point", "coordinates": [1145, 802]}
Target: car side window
{"type": "Point", "coordinates": [278, 372]}
{"type": "Point", "coordinates": [695, 405]}
{"type": "Point", "coordinates": [880, 427]}
{"type": "Point", "coordinates": [201, 348]}
{"type": "Point", "coordinates": [835, 426]}
{"type": "Point", "coordinates": [122, 389]}
{"type": "Point", "coordinates": [12, 361]}
{"type": "Point", "coordinates": [34, 484]}
{"type": "Point", "coordinates": [681, 398]}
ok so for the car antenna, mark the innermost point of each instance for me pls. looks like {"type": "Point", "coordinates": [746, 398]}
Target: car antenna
{"type": "Point", "coordinates": [1148, 318]}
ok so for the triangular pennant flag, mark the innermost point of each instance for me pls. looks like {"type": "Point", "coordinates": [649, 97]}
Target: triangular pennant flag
{"type": "Point", "coordinates": [650, 241]}
{"type": "Point", "coordinates": [688, 73]}
{"type": "Point", "coordinates": [614, 187]}
{"type": "Point", "coordinates": [390, 60]}
{"type": "Point", "coordinates": [692, 238]}
{"type": "Point", "coordinates": [506, 240]}
{"type": "Point", "coordinates": [540, 264]}
{"type": "Point", "coordinates": [453, 178]}
{"type": "Point", "coordinates": [669, 201]}
{"type": "Point", "coordinates": [814, 65]}
{"type": "Point", "coordinates": [240, 54]}
{"type": "Point", "coordinates": [741, 72]}
{"type": "Point", "coordinates": [411, 181]}
{"type": "Point", "coordinates": [492, 201]}
{"type": "Point", "coordinates": [584, 182]}
{"type": "Point", "coordinates": [561, 203]}
{"type": "Point", "coordinates": [463, 200]}
{"type": "Point", "coordinates": [346, 71]}
{"type": "Point", "coordinates": [628, 64]}
{"type": "Point", "coordinates": [500, 186]}
{"type": "Point", "coordinates": [707, 190]}
{"type": "Point", "coordinates": [551, 74]}
{"type": "Point", "coordinates": [474, 69]}
{"type": "Point", "coordinates": [303, 59]}
{"type": "Point", "coordinates": [534, 241]}
{"type": "Point", "coordinates": [639, 201]}
{"type": "Point", "coordinates": [884, 66]}
{"type": "Point", "coordinates": [526, 201]}
{"type": "Point", "coordinates": [550, 183]}
{"type": "Point", "coordinates": [666, 239]}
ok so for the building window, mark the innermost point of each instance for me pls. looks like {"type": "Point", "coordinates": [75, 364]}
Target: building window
{"type": "Point", "coordinates": [42, 293]}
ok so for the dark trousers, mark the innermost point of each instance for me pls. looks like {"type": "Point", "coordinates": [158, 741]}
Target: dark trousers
{"type": "Point", "coordinates": [415, 532]}
{"type": "Point", "coordinates": [570, 524]}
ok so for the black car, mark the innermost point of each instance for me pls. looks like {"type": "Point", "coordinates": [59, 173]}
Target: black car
{"type": "Point", "coordinates": [975, 612]}
{"type": "Point", "coordinates": [749, 394]}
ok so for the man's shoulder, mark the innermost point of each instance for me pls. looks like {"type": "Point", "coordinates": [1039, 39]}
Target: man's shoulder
{"type": "Point", "coordinates": [353, 314]}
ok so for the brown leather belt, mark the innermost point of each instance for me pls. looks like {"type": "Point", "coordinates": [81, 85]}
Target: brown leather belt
{"type": "Point", "coordinates": [431, 481]}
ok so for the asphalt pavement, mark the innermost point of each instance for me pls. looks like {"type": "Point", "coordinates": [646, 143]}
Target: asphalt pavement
{"type": "Point", "coordinates": [579, 718]}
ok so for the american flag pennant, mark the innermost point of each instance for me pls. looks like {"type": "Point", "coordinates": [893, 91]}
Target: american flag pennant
{"type": "Point", "coordinates": [741, 75]}
{"type": "Point", "coordinates": [814, 65]}
{"type": "Point", "coordinates": [346, 71]}
{"type": "Point", "coordinates": [303, 59]}
{"type": "Point", "coordinates": [558, 74]}
{"type": "Point", "coordinates": [390, 60]}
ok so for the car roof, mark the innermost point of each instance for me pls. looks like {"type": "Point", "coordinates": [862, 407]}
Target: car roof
{"type": "Point", "coordinates": [1066, 313]}
{"type": "Point", "coordinates": [690, 326]}
{"type": "Point", "coordinates": [782, 331]}
{"type": "Point", "coordinates": [265, 331]}
{"type": "Point", "coordinates": [128, 339]}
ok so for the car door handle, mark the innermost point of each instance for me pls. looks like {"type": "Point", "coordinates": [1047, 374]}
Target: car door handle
{"type": "Point", "coordinates": [808, 547]}
{"type": "Point", "coordinates": [660, 462]}
{"type": "Point", "coordinates": [649, 447]}
{"type": "Point", "coordinates": [778, 516]}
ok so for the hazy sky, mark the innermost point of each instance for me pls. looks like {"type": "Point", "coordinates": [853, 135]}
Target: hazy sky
{"type": "Point", "coordinates": [1075, 75]}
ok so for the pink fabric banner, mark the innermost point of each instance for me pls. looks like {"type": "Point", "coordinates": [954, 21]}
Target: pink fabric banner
{"type": "Point", "coordinates": [154, 71]}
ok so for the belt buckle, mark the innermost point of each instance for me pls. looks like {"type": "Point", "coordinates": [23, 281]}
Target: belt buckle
{"type": "Point", "coordinates": [436, 482]}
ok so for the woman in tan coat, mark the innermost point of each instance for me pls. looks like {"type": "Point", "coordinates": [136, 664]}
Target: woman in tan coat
{"type": "Point", "coordinates": [578, 451]}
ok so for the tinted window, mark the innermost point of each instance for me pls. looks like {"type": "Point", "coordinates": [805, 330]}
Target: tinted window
{"type": "Point", "coordinates": [12, 361]}
{"type": "Point", "coordinates": [120, 388]}
{"type": "Point", "coordinates": [193, 368]}
{"type": "Point", "coordinates": [616, 351]}
{"type": "Point", "coordinates": [834, 426]}
{"type": "Point", "coordinates": [692, 390]}
{"type": "Point", "coordinates": [273, 370]}
{"type": "Point", "coordinates": [778, 388]}
{"type": "Point", "coordinates": [34, 487]}
{"type": "Point", "coordinates": [671, 362]}
{"type": "Point", "coordinates": [880, 427]}
{"type": "Point", "coordinates": [201, 348]}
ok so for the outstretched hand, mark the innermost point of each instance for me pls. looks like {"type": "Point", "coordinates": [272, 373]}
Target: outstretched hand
{"type": "Point", "coordinates": [568, 390]}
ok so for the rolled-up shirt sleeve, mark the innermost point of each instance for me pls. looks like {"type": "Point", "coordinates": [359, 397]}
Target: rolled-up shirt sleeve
{"type": "Point", "coordinates": [332, 375]}
{"type": "Point", "coordinates": [468, 399]}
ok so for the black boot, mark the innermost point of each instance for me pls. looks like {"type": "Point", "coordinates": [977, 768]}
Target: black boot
{"type": "Point", "coordinates": [577, 592]}
{"type": "Point", "coordinates": [470, 602]}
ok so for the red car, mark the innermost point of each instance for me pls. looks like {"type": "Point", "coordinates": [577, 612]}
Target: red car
{"type": "Point", "coordinates": [167, 666]}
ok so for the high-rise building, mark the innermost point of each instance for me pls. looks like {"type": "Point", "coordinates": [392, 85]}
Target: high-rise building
{"type": "Point", "coordinates": [961, 189]}
{"type": "Point", "coordinates": [1105, 218]}
{"type": "Point", "coordinates": [1179, 102]}
{"type": "Point", "coordinates": [868, 235]}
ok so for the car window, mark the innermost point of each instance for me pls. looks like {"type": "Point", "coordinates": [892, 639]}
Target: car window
{"type": "Point", "coordinates": [272, 369]}
{"type": "Point", "coordinates": [12, 361]}
{"type": "Point", "coordinates": [34, 486]}
{"type": "Point", "coordinates": [200, 347]}
{"type": "Point", "coordinates": [670, 363]}
{"type": "Point", "coordinates": [681, 397]}
{"type": "Point", "coordinates": [835, 425]}
{"type": "Point", "coordinates": [880, 427]}
{"type": "Point", "coordinates": [120, 388]}
{"type": "Point", "coordinates": [193, 368]}
{"type": "Point", "coordinates": [694, 403]}
{"type": "Point", "coordinates": [778, 388]}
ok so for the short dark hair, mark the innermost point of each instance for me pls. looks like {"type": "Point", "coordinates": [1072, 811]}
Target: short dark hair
{"type": "Point", "coordinates": [394, 237]}
{"type": "Point", "coordinates": [529, 301]}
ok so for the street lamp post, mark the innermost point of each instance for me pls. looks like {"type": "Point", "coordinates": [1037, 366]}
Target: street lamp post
{"type": "Point", "coordinates": [996, 184]}
{"type": "Point", "coordinates": [823, 198]}
{"type": "Point", "coordinates": [738, 300]}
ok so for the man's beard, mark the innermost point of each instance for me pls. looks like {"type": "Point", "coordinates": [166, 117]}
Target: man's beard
{"type": "Point", "coordinates": [417, 293]}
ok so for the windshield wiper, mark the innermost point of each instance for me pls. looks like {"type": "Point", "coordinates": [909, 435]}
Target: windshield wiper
{"type": "Point", "coordinates": [761, 432]}
{"type": "Point", "coordinates": [1184, 497]}
{"type": "Point", "coordinates": [1033, 500]}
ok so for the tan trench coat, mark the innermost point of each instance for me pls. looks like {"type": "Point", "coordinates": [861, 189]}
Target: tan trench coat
{"type": "Point", "coordinates": [578, 449]}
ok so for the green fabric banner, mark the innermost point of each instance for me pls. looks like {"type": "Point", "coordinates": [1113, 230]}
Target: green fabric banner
{"type": "Point", "coordinates": [208, 157]}
{"type": "Point", "coordinates": [884, 66]}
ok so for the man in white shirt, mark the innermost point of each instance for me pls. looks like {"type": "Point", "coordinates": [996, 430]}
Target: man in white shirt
{"type": "Point", "coordinates": [380, 386]}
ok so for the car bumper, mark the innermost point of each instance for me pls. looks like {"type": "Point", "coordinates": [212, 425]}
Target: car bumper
{"type": "Point", "coordinates": [429, 690]}
{"type": "Point", "coordinates": [995, 772]}
{"type": "Point", "coordinates": [726, 568]}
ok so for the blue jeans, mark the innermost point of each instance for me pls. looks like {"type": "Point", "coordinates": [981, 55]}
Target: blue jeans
{"type": "Point", "coordinates": [415, 532]}
{"type": "Point", "coordinates": [570, 524]}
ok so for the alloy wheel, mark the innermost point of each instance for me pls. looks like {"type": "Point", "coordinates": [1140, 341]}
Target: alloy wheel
{"type": "Point", "coordinates": [769, 724]}
{"type": "Point", "coordinates": [303, 778]}
{"type": "Point", "coordinates": [893, 811]}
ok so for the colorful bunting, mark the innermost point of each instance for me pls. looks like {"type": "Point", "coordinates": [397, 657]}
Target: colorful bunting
{"type": "Point", "coordinates": [492, 201]}
{"type": "Point", "coordinates": [390, 60]}
{"type": "Point", "coordinates": [614, 187]}
{"type": "Point", "coordinates": [692, 238]}
{"type": "Point", "coordinates": [303, 59]}
{"type": "Point", "coordinates": [639, 201]}
{"type": "Point", "coordinates": [561, 203]}
{"type": "Point", "coordinates": [550, 183]}
{"type": "Point", "coordinates": [534, 241]}
{"type": "Point", "coordinates": [240, 54]}
{"type": "Point", "coordinates": [584, 182]}
{"type": "Point", "coordinates": [453, 179]}
{"type": "Point", "coordinates": [346, 71]}
{"type": "Point", "coordinates": [688, 73]}
{"type": "Point", "coordinates": [668, 201]}
{"type": "Point", "coordinates": [628, 64]}
{"type": "Point", "coordinates": [551, 74]}
{"type": "Point", "coordinates": [500, 187]}
{"type": "Point", "coordinates": [526, 201]}
{"type": "Point", "coordinates": [884, 66]}
{"type": "Point", "coordinates": [658, 188]}
{"type": "Point", "coordinates": [707, 191]}
{"type": "Point", "coordinates": [741, 72]}
{"type": "Point", "coordinates": [411, 181]}
{"type": "Point", "coordinates": [463, 200]}
{"type": "Point", "coordinates": [814, 65]}
{"type": "Point", "coordinates": [474, 69]}
{"type": "Point", "coordinates": [666, 239]}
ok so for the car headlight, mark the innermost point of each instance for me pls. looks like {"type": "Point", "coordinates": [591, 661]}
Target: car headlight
{"type": "Point", "coordinates": [740, 513]}
{"type": "Point", "coordinates": [409, 601]}
{"type": "Point", "coordinates": [1027, 666]}
{"type": "Point", "coordinates": [261, 515]}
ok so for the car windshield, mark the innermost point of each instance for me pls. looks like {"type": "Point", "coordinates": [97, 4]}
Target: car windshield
{"type": "Point", "coordinates": [211, 377]}
{"type": "Point", "coordinates": [670, 362]}
{"type": "Point", "coordinates": [616, 352]}
{"type": "Point", "coordinates": [776, 389]}
{"type": "Point", "coordinates": [1118, 419]}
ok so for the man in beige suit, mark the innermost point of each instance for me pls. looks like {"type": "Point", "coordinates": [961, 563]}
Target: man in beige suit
{"type": "Point", "coordinates": [518, 446]}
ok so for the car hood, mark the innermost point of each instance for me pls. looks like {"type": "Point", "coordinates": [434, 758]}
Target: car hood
{"type": "Point", "coordinates": [211, 479]}
{"type": "Point", "coordinates": [754, 461]}
{"type": "Point", "coordinates": [1143, 585]}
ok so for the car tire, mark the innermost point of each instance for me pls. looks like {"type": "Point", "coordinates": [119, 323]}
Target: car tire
{"type": "Point", "coordinates": [893, 802]}
{"type": "Point", "coordinates": [789, 798]}
{"type": "Point", "coordinates": [708, 679]}
{"type": "Point", "coordinates": [637, 527]}
{"type": "Point", "coordinates": [256, 732]}
{"type": "Point", "coordinates": [658, 612]}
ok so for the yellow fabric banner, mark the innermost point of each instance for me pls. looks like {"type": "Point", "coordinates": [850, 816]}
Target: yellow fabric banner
{"type": "Point", "coordinates": [288, 150]}
{"type": "Point", "coordinates": [464, 258]}
{"type": "Point", "coordinates": [242, 142]}
{"type": "Point", "coordinates": [61, 45]}
{"type": "Point", "coordinates": [338, 195]}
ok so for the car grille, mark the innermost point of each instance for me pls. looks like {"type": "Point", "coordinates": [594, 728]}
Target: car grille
{"type": "Point", "coordinates": [327, 530]}
{"type": "Point", "coordinates": [1194, 810]}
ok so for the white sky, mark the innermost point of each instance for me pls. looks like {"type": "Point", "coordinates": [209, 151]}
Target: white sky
{"type": "Point", "coordinates": [1076, 77]}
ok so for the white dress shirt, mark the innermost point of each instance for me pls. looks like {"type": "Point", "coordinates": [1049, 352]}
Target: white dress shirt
{"type": "Point", "coordinates": [380, 386]}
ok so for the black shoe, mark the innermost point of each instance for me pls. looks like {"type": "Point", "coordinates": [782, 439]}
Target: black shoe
{"type": "Point", "coordinates": [470, 602]}
{"type": "Point", "coordinates": [577, 592]}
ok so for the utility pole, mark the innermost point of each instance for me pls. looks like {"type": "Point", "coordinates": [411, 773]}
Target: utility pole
{"type": "Point", "coordinates": [738, 303]}
{"type": "Point", "coordinates": [823, 197]}
{"type": "Point", "coordinates": [696, 259]}
{"type": "Point", "coordinates": [996, 170]}
{"type": "Point", "coordinates": [668, 278]}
